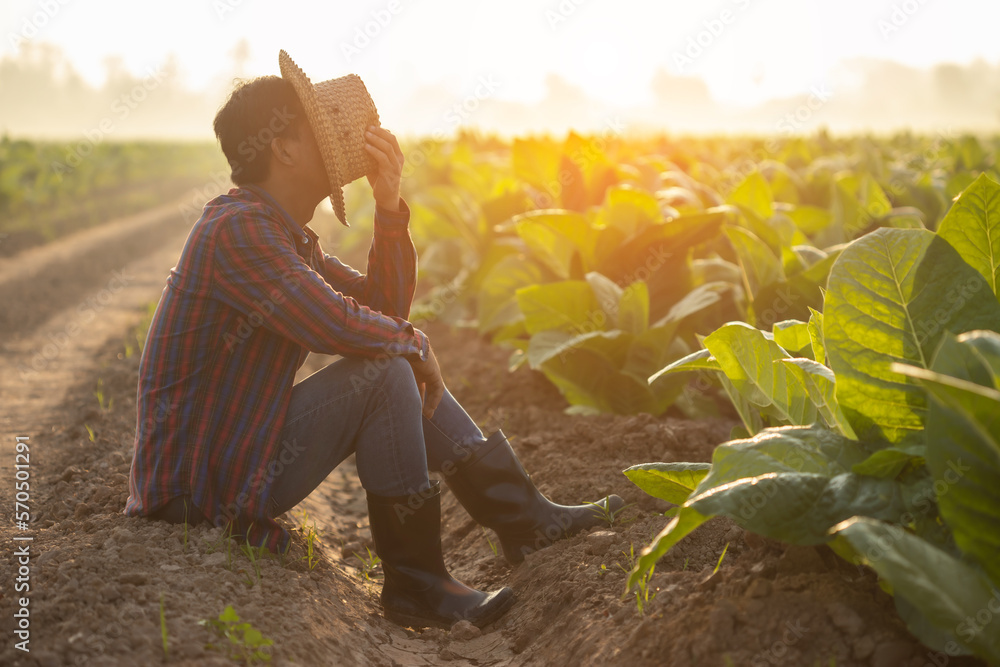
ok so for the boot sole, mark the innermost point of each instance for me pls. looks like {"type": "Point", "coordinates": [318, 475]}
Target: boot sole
{"type": "Point", "coordinates": [409, 620]}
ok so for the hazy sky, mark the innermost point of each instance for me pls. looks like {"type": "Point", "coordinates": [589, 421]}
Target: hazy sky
{"type": "Point", "coordinates": [515, 51]}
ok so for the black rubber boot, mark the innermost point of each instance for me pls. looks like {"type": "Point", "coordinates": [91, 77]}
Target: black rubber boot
{"type": "Point", "coordinates": [497, 492]}
{"type": "Point", "coordinates": [418, 591]}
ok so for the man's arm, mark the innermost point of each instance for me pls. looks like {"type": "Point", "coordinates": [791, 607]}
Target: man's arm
{"type": "Point", "coordinates": [392, 266]}
{"type": "Point", "coordinates": [257, 270]}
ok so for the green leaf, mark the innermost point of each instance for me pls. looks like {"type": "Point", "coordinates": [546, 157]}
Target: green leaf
{"type": "Point", "coordinates": [972, 227]}
{"type": "Point", "coordinates": [792, 335]}
{"type": "Point", "coordinates": [700, 360]}
{"type": "Point", "coordinates": [816, 336]}
{"type": "Point", "coordinates": [754, 194]}
{"type": "Point", "coordinates": [568, 305]}
{"type": "Point", "coordinates": [890, 298]}
{"type": "Point", "coordinates": [556, 237]}
{"type": "Point", "coordinates": [888, 462]}
{"type": "Point", "coordinates": [672, 482]}
{"type": "Point", "coordinates": [811, 219]}
{"type": "Point", "coordinates": [607, 292]}
{"type": "Point", "coordinates": [628, 210]}
{"type": "Point", "coordinates": [633, 311]}
{"type": "Point", "coordinates": [694, 302]}
{"type": "Point", "coordinates": [760, 265]}
{"type": "Point", "coordinates": [229, 615]}
{"type": "Point", "coordinates": [819, 383]}
{"type": "Point", "coordinates": [805, 449]}
{"type": "Point", "coordinates": [800, 508]}
{"type": "Point", "coordinates": [545, 345]}
{"type": "Point", "coordinates": [588, 372]}
{"type": "Point", "coordinates": [496, 303]}
{"type": "Point", "coordinates": [747, 358]}
{"type": "Point", "coordinates": [963, 455]}
{"type": "Point", "coordinates": [651, 350]}
{"type": "Point", "coordinates": [952, 595]}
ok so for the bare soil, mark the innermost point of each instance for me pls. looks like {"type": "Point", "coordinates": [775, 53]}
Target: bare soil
{"type": "Point", "coordinates": [99, 580]}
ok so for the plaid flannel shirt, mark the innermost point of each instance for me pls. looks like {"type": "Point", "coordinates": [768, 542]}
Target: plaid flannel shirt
{"type": "Point", "coordinates": [251, 295]}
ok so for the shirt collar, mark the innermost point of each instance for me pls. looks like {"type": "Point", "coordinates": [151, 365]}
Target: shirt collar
{"type": "Point", "coordinates": [286, 219]}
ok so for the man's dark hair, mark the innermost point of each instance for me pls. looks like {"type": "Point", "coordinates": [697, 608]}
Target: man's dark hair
{"type": "Point", "coordinates": [256, 111]}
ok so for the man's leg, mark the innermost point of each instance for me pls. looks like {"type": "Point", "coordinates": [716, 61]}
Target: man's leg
{"type": "Point", "coordinates": [374, 409]}
{"type": "Point", "coordinates": [354, 405]}
{"type": "Point", "coordinates": [450, 436]}
{"type": "Point", "coordinates": [488, 479]}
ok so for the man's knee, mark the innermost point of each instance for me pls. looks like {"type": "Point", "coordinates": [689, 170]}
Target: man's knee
{"type": "Point", "coordinates": [398, 372]}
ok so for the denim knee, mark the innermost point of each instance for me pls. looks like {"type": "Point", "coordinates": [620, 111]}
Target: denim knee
{"type": "Point", "coordinates": [397, 375]}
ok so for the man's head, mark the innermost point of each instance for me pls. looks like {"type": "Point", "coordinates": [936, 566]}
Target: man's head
{"type": "Point", "coordinates": [265, 136]}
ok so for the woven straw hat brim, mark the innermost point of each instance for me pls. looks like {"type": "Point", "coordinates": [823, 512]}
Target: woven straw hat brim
{"type": "Point", "coordinates": [338, 111]}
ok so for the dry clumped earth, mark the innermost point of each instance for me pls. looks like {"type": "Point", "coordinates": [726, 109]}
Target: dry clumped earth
{"type": "Point", "coordinates": [99, 577]}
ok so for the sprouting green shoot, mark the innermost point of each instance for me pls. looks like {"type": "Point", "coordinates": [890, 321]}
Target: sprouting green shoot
{"type": "Point", "coordinates": [603, 510]}
{"type": "Point", "coordinates": [163, 629]}
{"type": "Point", "coordinates": [90, 432]}
{"type": "Point", "coordinates": [312, 535]}
{"type": "Point", "coordinates": [721, 556]}
{"type": "Point", "coordinates": [368, 564]}
{"type": "Point", "coordinates": [493, 546]}
{"type": "Point", "coordinates": [241, 641]}
{"type": "Point", "coordinates": [99, 393]}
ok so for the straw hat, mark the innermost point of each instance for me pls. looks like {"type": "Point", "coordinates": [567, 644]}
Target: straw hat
{"type": "Point", "coordinates": [339, 112]}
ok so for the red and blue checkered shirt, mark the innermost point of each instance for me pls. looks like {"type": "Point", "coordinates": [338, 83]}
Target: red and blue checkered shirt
{"type": "Point", "coordinates": [251, 295]}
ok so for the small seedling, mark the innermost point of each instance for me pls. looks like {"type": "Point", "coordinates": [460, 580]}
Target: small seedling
{"type": "Point", "coordinates": [686, 561]}
{"type": "Point", "coordinates": [312, 556]}
{"type": "Point", "coordinates": [163, 630]}
{"type": "Point", "coordinates": [642, 594]}
{"type": "Point", "coordinates": [368, 564]}
{"type": "Point", "coordinates": [243, 641]}
{"type": "Point", "coordinates": [629, 558]}
{"type": "Point", "coordinates": [721, 556]}
{"type": "Point", "coordinates": [99, 393]}
{"type": "Point", "coordinates": [493, 546]}
{"type": "Point", "coordinates": [90, 432]}
{"type": "Point", "coordinates": [255, 555]}
{"type": "Point", "coordinates": [604, 511]}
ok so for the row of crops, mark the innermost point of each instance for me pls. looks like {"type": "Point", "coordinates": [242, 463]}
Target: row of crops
{"type": "Point", "coordinates": [838, 295]}
{"type": "Point", "coordinates": [48, 189]}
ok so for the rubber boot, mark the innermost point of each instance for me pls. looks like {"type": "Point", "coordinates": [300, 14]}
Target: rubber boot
{"type": "Point", "coordinates": [418, 591]}
{"type": "Point", "coordinates": [497, 492]}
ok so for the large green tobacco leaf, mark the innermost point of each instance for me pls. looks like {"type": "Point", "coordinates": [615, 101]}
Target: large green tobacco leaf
{"type": "Point", "coordinates": [672, 482]}
{"type": "Point", "coordinates": [952, 595]}
{"type": "Point", "coordinates": [792, 335]}
{"type": "Point", "coordinates": [890, 298]}
{"type": "Point", "coordinates": [561, 240]}
{"type": "Point", "coordinates": [633, 311]}
{"type": "Point", "coordinates": [611, 345]}
{"type": "Point", "coordinates": [972, 227]}
{"type": "Point", "coordinates": [760, 265]}
{"type": "Point", "coordinates": [754, 194]}
{"type": "Point", "coordinates": [747, 358]}
{"type": "Point", "coordinates": [788, 483]}
{"type": "Point", "coordinates": [800, 508]}
{"type": "Point", "coordinates": [963, 453]}
{"type": "Point", "coordinates": [496, 302]}
{"type": "Point", "coordinates": [568, 305]}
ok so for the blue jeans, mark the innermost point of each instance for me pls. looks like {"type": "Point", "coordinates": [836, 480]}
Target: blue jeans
{"type": "Point", "coordinates": [371, 408]}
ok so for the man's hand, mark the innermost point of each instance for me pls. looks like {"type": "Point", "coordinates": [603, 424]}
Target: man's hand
{"type": "Point", "coordinates": [429, 381]}
{"type": "Point", "coordinates": [381, 145]}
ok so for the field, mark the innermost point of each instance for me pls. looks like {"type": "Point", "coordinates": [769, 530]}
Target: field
{"type": "Point", "coordinates": [762, 344]}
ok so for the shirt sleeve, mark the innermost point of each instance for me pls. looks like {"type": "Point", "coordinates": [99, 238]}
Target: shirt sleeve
{"type": "Point", "coordinates": [257, 270]}
{"type": "Point", "coordinates": [392, 266]}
